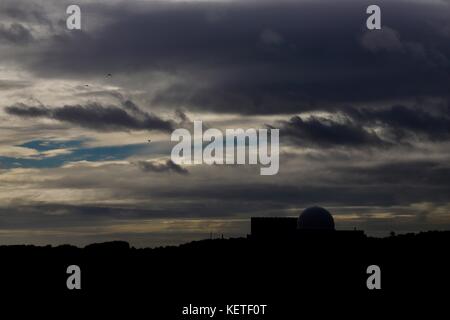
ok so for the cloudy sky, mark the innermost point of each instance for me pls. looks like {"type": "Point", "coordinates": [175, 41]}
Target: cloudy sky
{"type": "Point", "coordinates": [364, 116]}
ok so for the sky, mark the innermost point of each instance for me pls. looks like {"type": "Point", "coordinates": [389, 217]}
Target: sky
{"type": "Point", "coordinates": [364, 116]}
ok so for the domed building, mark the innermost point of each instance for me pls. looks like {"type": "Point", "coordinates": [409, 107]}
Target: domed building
{"type": "Point", "coordinates": [315, 218]}
{"type": "Point", "coordinates": [312, 221]}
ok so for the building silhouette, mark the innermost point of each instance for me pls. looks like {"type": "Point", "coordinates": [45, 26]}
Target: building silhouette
{"type": "Point", "coordinates": [313, 221]}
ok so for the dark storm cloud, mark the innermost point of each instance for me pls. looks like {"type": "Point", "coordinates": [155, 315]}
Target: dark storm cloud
{"type": "Point", "coordinates": [328, 133]}
{"type": "Point", "coordinates": [263, 197]}
{"type": "Point", "coordinates": [399, 125]}
{"type": "Point", "coordinates": [433, 123]}
{"type": "Point", "coordinates": [15, 33]}
{"type": "Point", "coordinates": [424, 173]}
{"type": "Point", "coordinates": [245, 57]}
{"type": "Point", "coordinates": [263, 58]}
{"type": "Point", "coordinates": [168, 166]}
{"type": "Point", "coordinates": [96, 116]}
{"type": "Point", "coordinates": [22, 110]}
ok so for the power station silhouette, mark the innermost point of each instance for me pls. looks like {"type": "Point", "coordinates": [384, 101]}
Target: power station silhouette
{"type": "Point", "coordinates": [281, 261]}
{"type": "Point", "coordinates": [313, 221]}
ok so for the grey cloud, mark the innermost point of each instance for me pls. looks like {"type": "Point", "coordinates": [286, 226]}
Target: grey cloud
{"type": "Point", "coordinates": [386, 186]}
{"type": "Point", "coordinates": [398, 125]}
{"type": "Point", "coordinates": [97, 117]}
{"type": "Point", "coordinates": [13, 84]}
{"type": "Point", "coordinates": [276, 197]}
{"type": "Point", "coordinates": [248, 58]}
{"type": "Point", "coordinates": [167, 166]}
{"type": "Point", "coordinates": [432, 123]}
{"type": "Point", "coordinates": [26, 11]}
{"type": "Point", "coordinates": [225, 65]}
{"type": "Point", "coordinates": [419, 173]}
{"type": "Point", "coordinates": [271, 37]}
{"type": "Point", "coordinates": [16, 33]}
{"type": "Point", "coordinates": [328, 133]}
{"type": "Point", "coordinates": [22, 110]}
{"type": "Point", "coordinates": [385, 39]}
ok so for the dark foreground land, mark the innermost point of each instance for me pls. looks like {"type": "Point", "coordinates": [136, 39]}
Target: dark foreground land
{"type": "Point", "coordinates": [289, 276]}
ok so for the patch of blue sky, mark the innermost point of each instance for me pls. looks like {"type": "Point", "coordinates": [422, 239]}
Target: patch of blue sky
{"type": "Point", "coordinates": [78, 153]}
{"type": "Point", "coordinates": [46, 145]}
